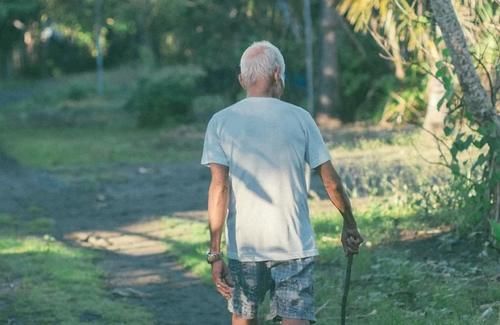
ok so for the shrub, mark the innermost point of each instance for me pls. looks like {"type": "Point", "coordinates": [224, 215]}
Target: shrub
{"type": "Point", "coordinates": [79, 91]}
{"type": "Point", "coordinates": [165, 96]}
{"type": "Point", "coordinates": [206, 106]}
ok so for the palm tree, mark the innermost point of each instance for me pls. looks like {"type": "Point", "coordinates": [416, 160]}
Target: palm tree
{"type": "Point", "coordinates": [407, 33]}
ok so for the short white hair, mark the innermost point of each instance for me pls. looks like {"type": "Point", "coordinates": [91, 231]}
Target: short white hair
{"type": "Point", "coordinates": [261, 59]}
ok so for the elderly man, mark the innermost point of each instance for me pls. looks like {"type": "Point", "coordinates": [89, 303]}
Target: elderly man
{"type": "Point", "coordinates": [257, 151]}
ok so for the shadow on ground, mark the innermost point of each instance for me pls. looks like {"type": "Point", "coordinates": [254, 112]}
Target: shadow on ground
{"type": "Point", "coordinates": [116, 209]}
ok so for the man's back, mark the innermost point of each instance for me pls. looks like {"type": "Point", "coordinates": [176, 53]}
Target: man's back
{"type": "Point", "coordinates": [266, 144]}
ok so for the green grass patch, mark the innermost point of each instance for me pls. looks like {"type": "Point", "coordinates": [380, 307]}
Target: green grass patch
{"type": "Point", "coordinates": [44, 281]}
{"type": "Point", "coordinates": [356, 138]}
{"type": "Point", "coordinates": [389, 286]}
{"type": "Point", "coordinates": [393, 285]}
{"type": "Point", "coordinates": [73, 147]}
{"type": "Point", "coordinates": [188, 241]}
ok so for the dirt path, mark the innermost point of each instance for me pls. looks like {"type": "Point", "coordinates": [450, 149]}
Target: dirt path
{"type": "Point", "coordinates": [115, 209]}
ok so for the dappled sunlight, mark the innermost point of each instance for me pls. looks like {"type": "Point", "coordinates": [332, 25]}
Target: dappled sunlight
{"type": "Point", "coordinates": [201, 215]}
{"type": "Point", "coordinates": [143, 238]}
{"type": "Point", "coordinates": [120, 243]}
{"type": "Point", "coordinates": [149, 242]}
{"type": "Point", "coordinates": [18, 246]}
{"type": "Point", "coordinates": [410, 235]}
{"type": "Point", "coordinates": [137, 239]}
{"type": "Point", "coordinates": [163, 273]}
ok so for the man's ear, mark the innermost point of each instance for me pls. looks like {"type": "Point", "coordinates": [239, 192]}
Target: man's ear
{"type": "Point", "coordinates": [242, 84]}
{"type": "Point", "coordinates": [277, 77]}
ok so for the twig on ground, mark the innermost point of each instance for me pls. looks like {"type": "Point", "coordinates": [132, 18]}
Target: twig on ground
{"type": "Point", "coordinates": [323, 306]}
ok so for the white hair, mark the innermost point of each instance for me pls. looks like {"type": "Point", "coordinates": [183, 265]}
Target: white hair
{"type": "Point", "coordinates": [261, 59]}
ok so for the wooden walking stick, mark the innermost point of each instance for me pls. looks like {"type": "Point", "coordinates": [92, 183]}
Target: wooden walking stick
{"type": "Point", "coordinates": [347, 282]}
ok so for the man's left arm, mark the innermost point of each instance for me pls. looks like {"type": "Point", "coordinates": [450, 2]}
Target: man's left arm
{"type": "Point", "coordinates": [217, 208]}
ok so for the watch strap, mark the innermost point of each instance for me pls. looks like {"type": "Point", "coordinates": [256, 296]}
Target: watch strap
{"type": "Point", "coordinates": [213, 257]}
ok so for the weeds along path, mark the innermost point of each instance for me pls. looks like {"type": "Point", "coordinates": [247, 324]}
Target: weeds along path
{"type": "Point", "coordinates": [117, 210]}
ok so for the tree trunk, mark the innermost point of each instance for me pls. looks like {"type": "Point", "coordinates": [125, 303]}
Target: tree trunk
{"type": "Point", "coordinates": [309, 55]}
{"type": "Point", "coordinates": [98, 46]}
{"type": "Point", "coordinates": [309, 69]}
{"type": "Point", "coordinates": [475, 96]}
{"type": "Point", "coordinates": [434, 116]}
{"type": "Point", "coordinates": [5, 64]}
{"type": "Point", "coordinates": [329, 94]}
{"type": "Point", "coordinates": [146, 52]}
{"type": "Point", "coordinates": [476, 99]}
{"type": "Point", "coordinates": [289, 19]}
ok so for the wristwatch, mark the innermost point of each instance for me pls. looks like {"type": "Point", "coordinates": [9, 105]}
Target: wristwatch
{"type": "Point", "coordinates": [213, 257]}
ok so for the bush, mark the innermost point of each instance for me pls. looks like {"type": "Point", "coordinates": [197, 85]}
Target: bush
{"type": "Point", "coordinates": [79, 91]}
{"type": "Point", "coordinates": [206, 106]}
{"type": "Point", "coordinates": [166, 96]}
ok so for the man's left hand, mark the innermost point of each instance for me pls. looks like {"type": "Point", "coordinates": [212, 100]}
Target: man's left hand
{"type": "Point", "coordinates": [222, 278]}
{"type": "Point", "coordinates": [351, 239]}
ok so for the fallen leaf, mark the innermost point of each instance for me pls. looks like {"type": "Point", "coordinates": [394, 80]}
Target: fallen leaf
{"type": "Point", "coordinates": [129, 292]}
{"type": "Point", "coordinates": [487, 313]}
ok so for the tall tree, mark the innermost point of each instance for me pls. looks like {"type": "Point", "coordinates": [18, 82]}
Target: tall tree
{"type": "Point", "coordinates": [309, 55]}
{"type": "Point", "coordinates": [329, 94]}
{"type": "Point", "coordinates": [309, 69]}
{"type": "Point", "coordinates": [14, 17]}
{"type": "Point", "coordinates": [98, 46]}
{"type": "Point", "coordinates": [477, 101]}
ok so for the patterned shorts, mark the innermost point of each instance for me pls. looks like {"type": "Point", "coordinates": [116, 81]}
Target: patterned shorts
{"type": "Point", "coordinates": [290, 284]}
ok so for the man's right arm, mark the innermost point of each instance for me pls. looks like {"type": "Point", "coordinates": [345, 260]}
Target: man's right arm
{"type": "Point", "coordinates": [351, 239]}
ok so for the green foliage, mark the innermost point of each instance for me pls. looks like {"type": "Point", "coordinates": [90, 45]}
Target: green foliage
{"type": "Point", "coordinates": [407, 103]}
{"type": "Point", "coordinates": [469, 159]}
{"type": "Point", "coordinates": [367, 82]}
{"type": "Point", "coordinates": [79, 91]}
{"type": "Point", "coordinates": [495, 230]}
{"type": "Point", "coordinates": [166, 96]}
{"type": "Point", "coordinates": [26, 11]}
{"type": "Point", "coordinates": [206, 106]}
{"type": "Point", "coordinates": [149, 33]}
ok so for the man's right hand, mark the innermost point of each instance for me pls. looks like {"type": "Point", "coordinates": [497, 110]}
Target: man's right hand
{"type": "Point", "coordinates": [351, 239]}
{"type": "Point", "coordinates": [222, 278]}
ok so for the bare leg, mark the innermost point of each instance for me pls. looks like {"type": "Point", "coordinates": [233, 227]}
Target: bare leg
{"type": "Point", "coordinates": [295, 322]}
{"type": "Point", "coordinates": [241, 321]}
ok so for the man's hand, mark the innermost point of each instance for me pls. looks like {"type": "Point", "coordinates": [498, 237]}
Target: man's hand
{"type": "Point", "coordinates": [222, 278]}
{"type": "Point", "coordinates": [351, 239]}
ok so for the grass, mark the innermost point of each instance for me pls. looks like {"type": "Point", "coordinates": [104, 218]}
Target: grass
{"type": "Point", "coordinates": [44, 281]}
{"type": "Point", "coordinates": [62, 123]}
{"type": "Point", "coordinates": [76, 147]}
{"type": "Point", "coordinates": [394, 282]}
{"type": "Point", "coordinates": [188, 240]}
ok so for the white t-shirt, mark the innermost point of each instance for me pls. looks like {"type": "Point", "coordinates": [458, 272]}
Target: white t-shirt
{"type": "Point", "coordinates": [266, 143]}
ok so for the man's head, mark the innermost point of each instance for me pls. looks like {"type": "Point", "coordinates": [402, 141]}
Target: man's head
{"type": "Point", "coordinates": [262, 70]}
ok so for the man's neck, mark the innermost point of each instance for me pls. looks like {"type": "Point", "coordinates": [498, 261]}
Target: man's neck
{"type": "Point", "coordinates": [263, 88]}
{"type": "Point", "coordinates": [262, 93]}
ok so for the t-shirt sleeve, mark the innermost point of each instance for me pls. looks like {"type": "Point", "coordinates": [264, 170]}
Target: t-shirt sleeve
{"type": "Point", "coordinates": [212, 149]}
{"type": "Point", "coordinates": [316, 150]}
